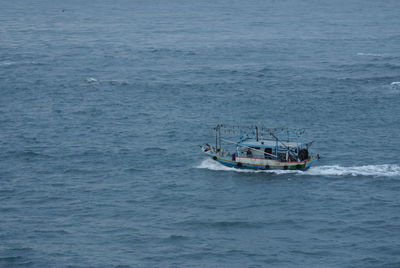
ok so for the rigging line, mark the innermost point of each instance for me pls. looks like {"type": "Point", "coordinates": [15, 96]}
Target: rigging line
{"type": "Point", "coordinates": [279, 141]}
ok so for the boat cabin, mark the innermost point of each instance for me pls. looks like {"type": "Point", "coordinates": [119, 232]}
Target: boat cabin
{"type": "Point", "coordinates": [272, 149]}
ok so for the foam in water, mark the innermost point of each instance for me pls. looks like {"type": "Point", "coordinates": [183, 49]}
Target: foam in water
{"type": "Point", "coordinates": [334, 170]}
{"type": "Point", "coordinates": [6, 63]}
{"type": "Point", "coordinates": [370, 54]}
{"type": "Point", "coordinates": [10, 63]}
{"type": "Point", "coordinates": [91, 80]}
{"type": "Point", "coordinates": [395, 84]}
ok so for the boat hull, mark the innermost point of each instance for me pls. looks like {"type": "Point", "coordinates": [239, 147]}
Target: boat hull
{"type": "Point", "coordinates": [264, 164]}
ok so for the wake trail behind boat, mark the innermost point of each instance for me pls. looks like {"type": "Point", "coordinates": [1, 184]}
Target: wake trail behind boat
{"type": "Point", "coordinates": [385, 170]}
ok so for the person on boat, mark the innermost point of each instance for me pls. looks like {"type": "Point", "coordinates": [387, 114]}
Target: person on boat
{"type": "Point", "coordinates": [303, 154]}
{"type": "Point", "coordinates": [249, 153]}
{"type": "Point", "coordinates": [207, 147]}
{"type": "Point", "coordinates": [267, 152]}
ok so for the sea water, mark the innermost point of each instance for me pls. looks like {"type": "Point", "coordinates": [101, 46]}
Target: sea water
{"type": "Point", "coordinates": [103, 104]}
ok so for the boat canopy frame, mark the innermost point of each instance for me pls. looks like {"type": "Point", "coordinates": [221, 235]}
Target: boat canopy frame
{"type": "Point", "coordinates": [259, 134]}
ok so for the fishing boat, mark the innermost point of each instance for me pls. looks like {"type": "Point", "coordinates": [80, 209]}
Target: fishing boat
{"type": "Point", "coordinates": [256, 147]}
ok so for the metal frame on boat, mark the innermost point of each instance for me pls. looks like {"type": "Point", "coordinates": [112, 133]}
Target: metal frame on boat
{"type": "Point", "coordinates": [256, 147]}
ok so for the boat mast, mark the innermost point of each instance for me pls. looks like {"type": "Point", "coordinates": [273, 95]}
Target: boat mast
{"type": "Point", "coordinates": [217, 137]}
{"type": "Point", "coordinates": [256, 133]}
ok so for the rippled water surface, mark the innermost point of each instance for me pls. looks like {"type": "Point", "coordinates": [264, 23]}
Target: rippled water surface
{"type": "Point", "coordinates": [103, 103]}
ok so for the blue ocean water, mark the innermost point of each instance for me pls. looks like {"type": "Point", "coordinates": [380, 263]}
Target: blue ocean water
{"type": "Point", "coordinates": [102, 105]}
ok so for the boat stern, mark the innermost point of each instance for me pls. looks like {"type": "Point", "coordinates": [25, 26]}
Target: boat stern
{"type": "Point", "coordinates": [312, 160]}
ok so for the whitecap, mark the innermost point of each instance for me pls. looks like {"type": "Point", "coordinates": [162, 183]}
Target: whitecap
{"type": "Point", "coordinates": [91, 80]}
{"type": "Point", "coordinates": [395, 85]}
{"type": "Point", "coordinates": [370, 54]}
{"type": "Point", "coordinates": [11, 63]}
{"type": "Point", "coordinates": [7, 63]}
{"type": "Point", "coordinates": [385, 170]}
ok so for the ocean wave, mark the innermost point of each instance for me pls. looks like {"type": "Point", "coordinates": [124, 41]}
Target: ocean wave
{"type": "Point", "coordinates": [395, 85]}
{"type": "Point", "coordinates": [113, 82]}
{"type": "Point", "coordinates": [385, 170]}
{"type": "Point", "coordinates": [221, 224]}
{"type": "Point", "coordinates": [91, 80]}
{"type": "Point", "coordinates": [371, 54]}
{"type": "Point", "coordinates": [155, 150]}
{"type": "Point", "coordinates": [7, 63]}
{"type": "Point", "coordinates": [28, 154]}
{"type": "Point", "coordinates": [117, 82]}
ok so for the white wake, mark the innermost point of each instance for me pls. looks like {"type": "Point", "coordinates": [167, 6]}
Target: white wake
{"type": "Point", "coordinates": [334, 170]}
